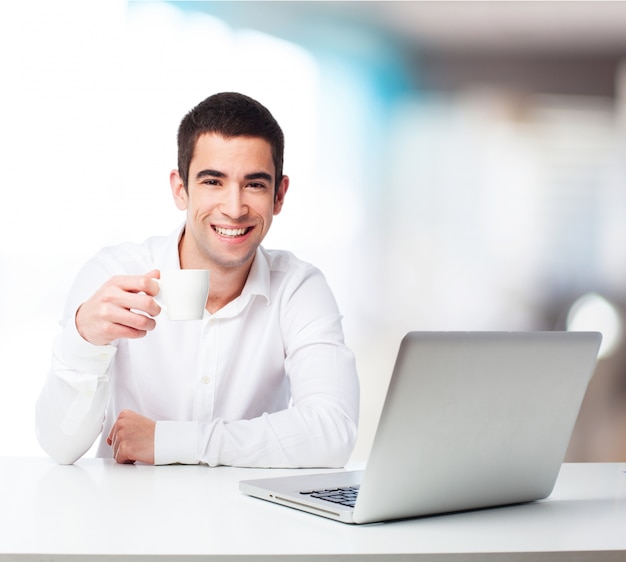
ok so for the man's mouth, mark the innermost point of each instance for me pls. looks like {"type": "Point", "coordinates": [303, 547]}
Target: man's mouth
{"type": "Point", "coordinates": [231, 232]}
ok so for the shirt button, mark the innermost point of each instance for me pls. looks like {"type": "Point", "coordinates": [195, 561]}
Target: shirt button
{"type": "Point", "coordinates": [103, 357]}
{"type": "Point", "coordinates": [205, 380]}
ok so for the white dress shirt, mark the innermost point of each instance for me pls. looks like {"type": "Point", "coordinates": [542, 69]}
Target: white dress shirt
{"type": "Point", "coordinates": [265, 381]}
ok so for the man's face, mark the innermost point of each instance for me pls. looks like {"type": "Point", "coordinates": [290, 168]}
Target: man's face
{"type": "Point", "coordinates": [230, 201]}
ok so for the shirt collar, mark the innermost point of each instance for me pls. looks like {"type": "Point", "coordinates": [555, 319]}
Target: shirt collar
{"type": "Point", "coordinates": [258, 282]}
{"type": "Point", "coordinates": [171, 255]}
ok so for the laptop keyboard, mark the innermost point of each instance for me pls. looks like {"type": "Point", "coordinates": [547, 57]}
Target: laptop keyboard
{"type": "Point", "coordinates": [343, 496]}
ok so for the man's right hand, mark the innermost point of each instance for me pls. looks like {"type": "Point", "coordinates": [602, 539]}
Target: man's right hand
{"type": "Point", "coordinates": [123, 307]}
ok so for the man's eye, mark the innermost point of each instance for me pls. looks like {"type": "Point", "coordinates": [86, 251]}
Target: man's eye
{"type": "Point", "coordinates": [211, 182]}
{"type": "Point", "coordinates": [257, 185]}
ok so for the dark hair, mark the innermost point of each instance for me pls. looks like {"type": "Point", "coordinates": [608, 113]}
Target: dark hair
{"type": "Point", "coordinates": [229, 114]}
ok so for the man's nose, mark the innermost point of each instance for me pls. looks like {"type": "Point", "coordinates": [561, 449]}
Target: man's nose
{"type": "Point", "coordinates": [233, 204]}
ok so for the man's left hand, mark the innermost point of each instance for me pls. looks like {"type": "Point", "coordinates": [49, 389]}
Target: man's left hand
{"type": "Point", "coordinates": [132, 438]}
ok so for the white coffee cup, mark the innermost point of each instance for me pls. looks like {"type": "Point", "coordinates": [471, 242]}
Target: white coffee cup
{"type": "Point", "coordinates": [183, 293]}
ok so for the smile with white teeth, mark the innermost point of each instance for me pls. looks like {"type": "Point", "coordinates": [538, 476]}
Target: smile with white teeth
{"type": "Point", "coordinates": [231, 232]}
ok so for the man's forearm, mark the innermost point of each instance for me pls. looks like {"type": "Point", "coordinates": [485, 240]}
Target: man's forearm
{"type": "Point", "coordinates": [68, 420]}
{"type": "Point", "coordinates": [70, 408]}
{"type": "Point", "coordinates": [309, 435]}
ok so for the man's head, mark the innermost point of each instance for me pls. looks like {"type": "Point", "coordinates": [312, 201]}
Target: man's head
{"type": "Point", "coordinates": [229, 114]}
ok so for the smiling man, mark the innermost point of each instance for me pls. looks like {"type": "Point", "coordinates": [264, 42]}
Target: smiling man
{"type": "Point", "coordinates": [264, 379]}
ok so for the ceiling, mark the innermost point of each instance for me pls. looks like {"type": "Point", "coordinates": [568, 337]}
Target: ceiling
{"type": "Point", "coordinates": [512, 26]}
{"type": "Point", "coordinates": [559, 47]}
{"type": "Point", "coordinates": [565, 47]}
{"type": "Point", "coordinates": [592, 26]}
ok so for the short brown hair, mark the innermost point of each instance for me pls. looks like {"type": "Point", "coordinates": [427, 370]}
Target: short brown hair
{"type": "Point", "coordinates": [229, 114]}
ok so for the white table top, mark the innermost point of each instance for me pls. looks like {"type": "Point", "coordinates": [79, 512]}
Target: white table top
{"type": "Point", "coordinates": [98, 508]}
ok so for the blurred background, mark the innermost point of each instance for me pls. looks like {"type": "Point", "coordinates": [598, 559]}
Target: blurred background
{"type": "Point", "coordinates": [454, 166]}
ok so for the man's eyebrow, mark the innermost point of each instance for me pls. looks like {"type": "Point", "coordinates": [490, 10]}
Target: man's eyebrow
{"type": "Point", "coordinates": [217, 174]}
{"type": "Point", "coordinates": [259, 176]}
{"type": "Point", "coordinates": [210, 173]}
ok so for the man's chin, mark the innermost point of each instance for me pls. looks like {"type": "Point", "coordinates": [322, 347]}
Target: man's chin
{"type": "Point", "coordinates": [229, 261]}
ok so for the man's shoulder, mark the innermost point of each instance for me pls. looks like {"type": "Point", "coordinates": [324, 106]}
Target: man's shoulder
{"type": "Point", "coordinates": [130, 255]}
{"type": "Point", "coordinates": [289, 273]}
{"type": "Point", "coordinates": [128, 248]}
{"type": "Point", "coordinates": [295, 283]}
{"type": "Point", "coordinates": [284, 261]}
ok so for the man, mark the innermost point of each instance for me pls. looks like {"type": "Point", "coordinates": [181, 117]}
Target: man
{"type": "Point", "coordinates": [264, 379]}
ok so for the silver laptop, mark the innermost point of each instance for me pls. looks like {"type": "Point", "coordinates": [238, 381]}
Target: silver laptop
{"type": "Point", "coordinates": [470, 420]}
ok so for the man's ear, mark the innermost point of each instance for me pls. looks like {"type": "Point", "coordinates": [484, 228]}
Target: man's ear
{"type": "Point", "coordinates": [279, 197]}
{"type": "Point", "coordinates": [181, 197]}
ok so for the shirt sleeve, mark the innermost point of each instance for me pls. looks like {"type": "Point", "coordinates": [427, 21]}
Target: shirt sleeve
{"type": "Point", "coordinates": [319, 429]}
{"type": "Point", "coordinates": [70, 409]}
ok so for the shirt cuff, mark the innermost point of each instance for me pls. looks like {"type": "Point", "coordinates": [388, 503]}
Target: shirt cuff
{"type": "Point", "coordinates": [176, 442]}
{"type": "Point", "coordinates": [81, 355]}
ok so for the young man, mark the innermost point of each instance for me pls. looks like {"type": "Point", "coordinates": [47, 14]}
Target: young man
{"type": "Point", "coordinates": [264, 379]}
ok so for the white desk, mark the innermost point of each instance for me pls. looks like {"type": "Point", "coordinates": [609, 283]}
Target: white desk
{"type": "Point", "coordinates": [96, 509]}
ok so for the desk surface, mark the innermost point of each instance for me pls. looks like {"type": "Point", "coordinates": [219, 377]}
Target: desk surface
{"type": "Point", "coordinates": [98, 508]}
